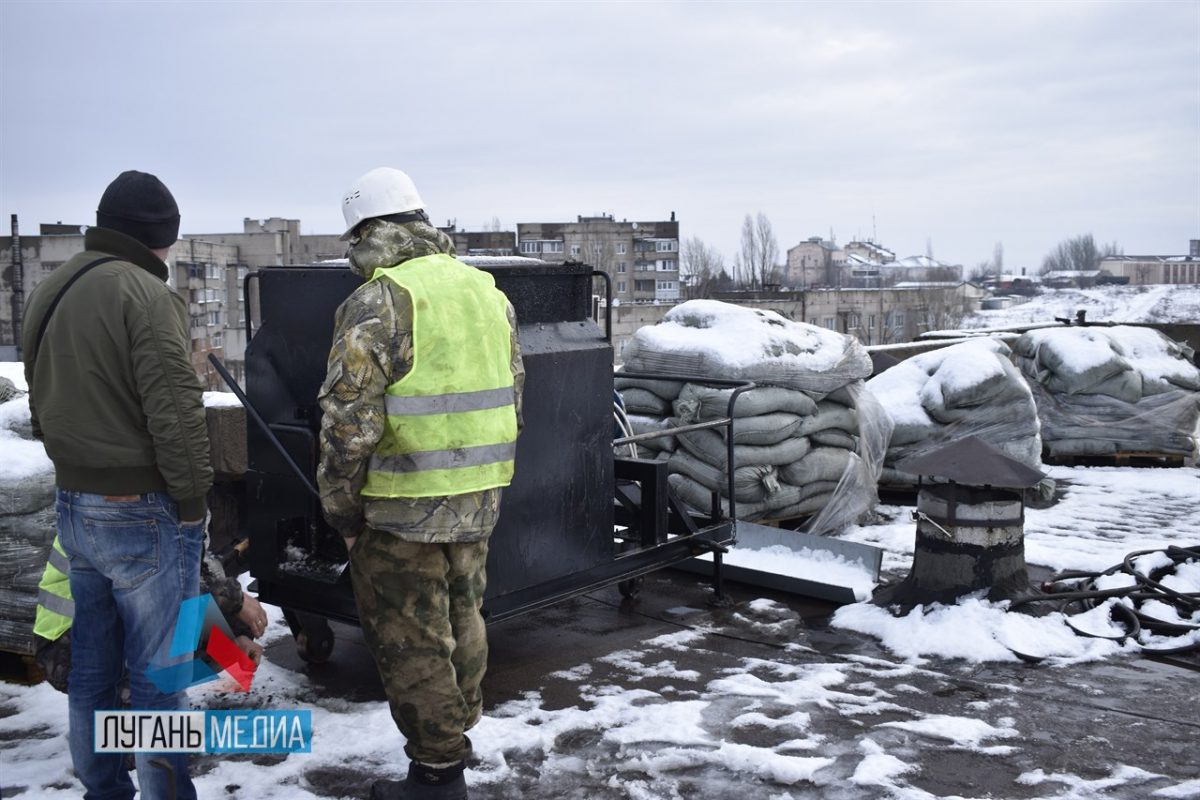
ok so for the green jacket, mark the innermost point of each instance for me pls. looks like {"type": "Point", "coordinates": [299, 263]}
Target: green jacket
{"type": "Point", "coordinates": [112, 391]}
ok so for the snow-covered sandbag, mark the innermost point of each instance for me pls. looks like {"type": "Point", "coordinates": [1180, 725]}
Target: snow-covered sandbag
{"type": "Point", "coordinates": [8, 390]}
{"type": "Point", "coordinates": [667, 390]}
{"type": "Point", "coordinates": [1076, 358]}
{"type": "Point", "coordinates": [821, 464]}
{"type": "Point", "coordinates": [644, 403]}
{"type": "Point", "coordinates": [833, 437]}
{"type": "Point", "coordinates": [829, 416]}
{"type": "Point", "coordinates": [14, 416]}
{"type": "Point", "coordinates": [711, 339]}
{"type": "Point", "coordinates": [751, 483]}
{"type": "Point", "coordinates": [767, 429]}
{"type": "Point", "coordinates": [25, 541]}
{"type": "Point", "coordinates": [788, 503]}
{"type": "Point", "coordinates": [641, 424]}
{"type": "Point", "coordinates": [966, 389]}
{"type": "Point", "coordinates": [696, 402]}
{"type": "Point", "coordinates": [26, 476]}
{"type": "Point", "coordinates": [1152, 405]}
{"type": "Point", "coordinates": [709, 446]}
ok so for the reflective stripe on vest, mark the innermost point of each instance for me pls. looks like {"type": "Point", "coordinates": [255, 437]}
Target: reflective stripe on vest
{"type": "Point", "coordinates": [55, 609]}
{"type": "Point", "coordinates": [451, 421]}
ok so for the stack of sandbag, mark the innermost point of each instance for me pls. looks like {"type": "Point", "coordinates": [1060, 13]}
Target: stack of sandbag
{"type": "Point", "coordinates": [967, 389]}
{"type": "Point", "coordinates": [27, 525]}
{"type": "Point", "coordinates": [806, 441]}
{"type": "Point", "coordinates": [1108, 390]}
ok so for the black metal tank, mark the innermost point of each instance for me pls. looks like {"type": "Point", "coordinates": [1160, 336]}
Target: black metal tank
{"type": "Point", "coordinates": [557, 516]}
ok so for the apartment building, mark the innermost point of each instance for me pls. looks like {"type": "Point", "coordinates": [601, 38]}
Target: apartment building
{"type": "Point", "coordinates": [817, 263]}
{"type": "Point", "coordinates": [641, 258]}
{"type": "Point", "coordinates": [482, 242]}
{"type": "Point", "coordinates": [814, 262]}
{"type": "Point", "coordinates": [207, 275]}
{"type": "Point", "coordinates": [276, 241]}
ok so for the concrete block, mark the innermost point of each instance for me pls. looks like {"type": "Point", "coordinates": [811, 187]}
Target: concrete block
{"type": "Point", "coordinates": [227, 439]}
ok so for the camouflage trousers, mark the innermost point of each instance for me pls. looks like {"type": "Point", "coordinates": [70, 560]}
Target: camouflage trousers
{"type": "Point", "coordinates": [419, 607]}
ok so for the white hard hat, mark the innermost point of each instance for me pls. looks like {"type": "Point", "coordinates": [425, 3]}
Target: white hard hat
{"type": "Point", "coordinates": [380, 192]}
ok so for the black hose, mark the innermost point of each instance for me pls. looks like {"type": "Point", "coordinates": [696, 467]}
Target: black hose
{"type": "Point", "coordinates": [1076, 588]}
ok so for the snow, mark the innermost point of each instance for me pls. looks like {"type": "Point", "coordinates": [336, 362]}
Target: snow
{"type": "Point", "coordinates": [1078, 349]}
{"type": "Point", "coordinates": [645, 722]}
{"type": "Point", "coordinates": [1164, 303]}
{"type": "Point", "coordinates": [805, 564]}
{"type": "Point", "coordinates": [221, 400]}
{"type": "Point", "coordinates": [20, 459]}
{"type": "Point", "coordinates": [961, 732]}
{"type": "Point", "coordinates": [974, 630]}
{"type": "Point", "coordinates": [899, 392]}
{"type": "Point", "coordinates": [744, 337]}
{"type": "Point", "coordinates": [15, 372]}
{"type": "Point", "coordinates": [1104, 514]}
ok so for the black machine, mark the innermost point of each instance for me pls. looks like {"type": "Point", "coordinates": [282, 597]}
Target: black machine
{"type": "Point", "coordinates": [575, 518]}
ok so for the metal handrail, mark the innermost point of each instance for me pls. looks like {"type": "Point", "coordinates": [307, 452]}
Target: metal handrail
{"type": "Point", "coordinates": [738, 388]}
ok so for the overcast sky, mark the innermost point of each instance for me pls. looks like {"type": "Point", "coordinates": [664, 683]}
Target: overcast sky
{"type": "Point", "coordinates": [958, 124]}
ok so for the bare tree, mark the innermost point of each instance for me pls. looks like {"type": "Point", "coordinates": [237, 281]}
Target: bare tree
{"type": "Point", "coordinates": [747, 256]}
{"type": "Point", "coordinates": [700, 266]}
{"type": "Point", "coordinates": [768, 250]}
{"type": "Point", "coordinates": [939, 307]}
{"type": "Point", "coordinates": [1078, 253]}
{"type": "Point", "coordinates": [757, 253]}
{"type": "Point", "coordinates": [981, 271]}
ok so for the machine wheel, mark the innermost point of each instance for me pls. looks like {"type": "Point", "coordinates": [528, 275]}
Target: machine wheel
{"type": "Point", "coordinates": [314, 638]}
{"type": "Point", "coordinates": [631, 588]}
{"type": "Point", "coordinates": [315, 646]}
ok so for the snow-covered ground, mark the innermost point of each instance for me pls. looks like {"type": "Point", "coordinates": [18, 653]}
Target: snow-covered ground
{"type": "Point", "coordinates": [1103, 304]}
{"type": "Point", "coordinates": [693, 714]}
{"type": "Point", "coordinates": [758, 701]}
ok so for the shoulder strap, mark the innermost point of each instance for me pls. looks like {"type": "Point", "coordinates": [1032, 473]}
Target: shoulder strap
{"type": "Point", "coordinates": [37, 344]}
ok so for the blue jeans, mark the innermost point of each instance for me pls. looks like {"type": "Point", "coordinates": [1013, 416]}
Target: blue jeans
{"type": "Point", "coordinates": [132, 564]}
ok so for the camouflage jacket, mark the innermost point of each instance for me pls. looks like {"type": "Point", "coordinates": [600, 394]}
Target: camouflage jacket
{"type": "Point", "coordinates": [372, 349]}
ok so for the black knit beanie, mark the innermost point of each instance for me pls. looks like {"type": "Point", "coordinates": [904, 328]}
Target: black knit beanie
{"type": "Point", "coordinates": [139, 205]}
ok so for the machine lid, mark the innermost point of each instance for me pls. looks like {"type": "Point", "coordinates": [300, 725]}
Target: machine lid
{"type": "Point", "coordinates": [971, 461]}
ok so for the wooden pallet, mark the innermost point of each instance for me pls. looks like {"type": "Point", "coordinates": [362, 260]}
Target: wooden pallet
{"type": "Point", "coordinates": [1128, 459]}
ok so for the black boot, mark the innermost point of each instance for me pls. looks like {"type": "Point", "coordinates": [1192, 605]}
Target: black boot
{"type": "Point", "coordinates": [424, 783]}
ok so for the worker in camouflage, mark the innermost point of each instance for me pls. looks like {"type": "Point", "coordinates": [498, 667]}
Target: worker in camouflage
{"type": "Point", "coordinates": [417, 563]}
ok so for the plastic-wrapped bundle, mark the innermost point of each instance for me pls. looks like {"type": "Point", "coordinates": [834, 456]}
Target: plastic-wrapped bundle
{"type": "Point", "coordinates": [1110, 390]}
{"type": "Point", "coordinates": [837, 485]}
{"type": "Point", "coordinates": [967, 389]}
{"type": "Point", "coordinates": [26, 524]}
{"type": "Point", "coordinates": [711, 339]}
{"type": "Point", "coordinates": [810, 396]}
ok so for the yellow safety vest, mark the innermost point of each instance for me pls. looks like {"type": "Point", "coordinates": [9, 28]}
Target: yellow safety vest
{"type": "Point", "coordinates": [55, 608]}
{"type": "Point", "coordinates": [451, 421]}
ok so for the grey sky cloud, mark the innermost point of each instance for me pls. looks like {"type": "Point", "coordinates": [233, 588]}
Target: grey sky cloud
{"type": "Point", "coordinates": [961, 123]}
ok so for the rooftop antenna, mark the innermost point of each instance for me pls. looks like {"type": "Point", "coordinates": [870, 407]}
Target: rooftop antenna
{"type": "Point", "coordinates": [874, 233]}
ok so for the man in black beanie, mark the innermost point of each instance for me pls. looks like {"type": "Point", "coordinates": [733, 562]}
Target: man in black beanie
{"type": "Point", "coordinates": [114, 398]}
